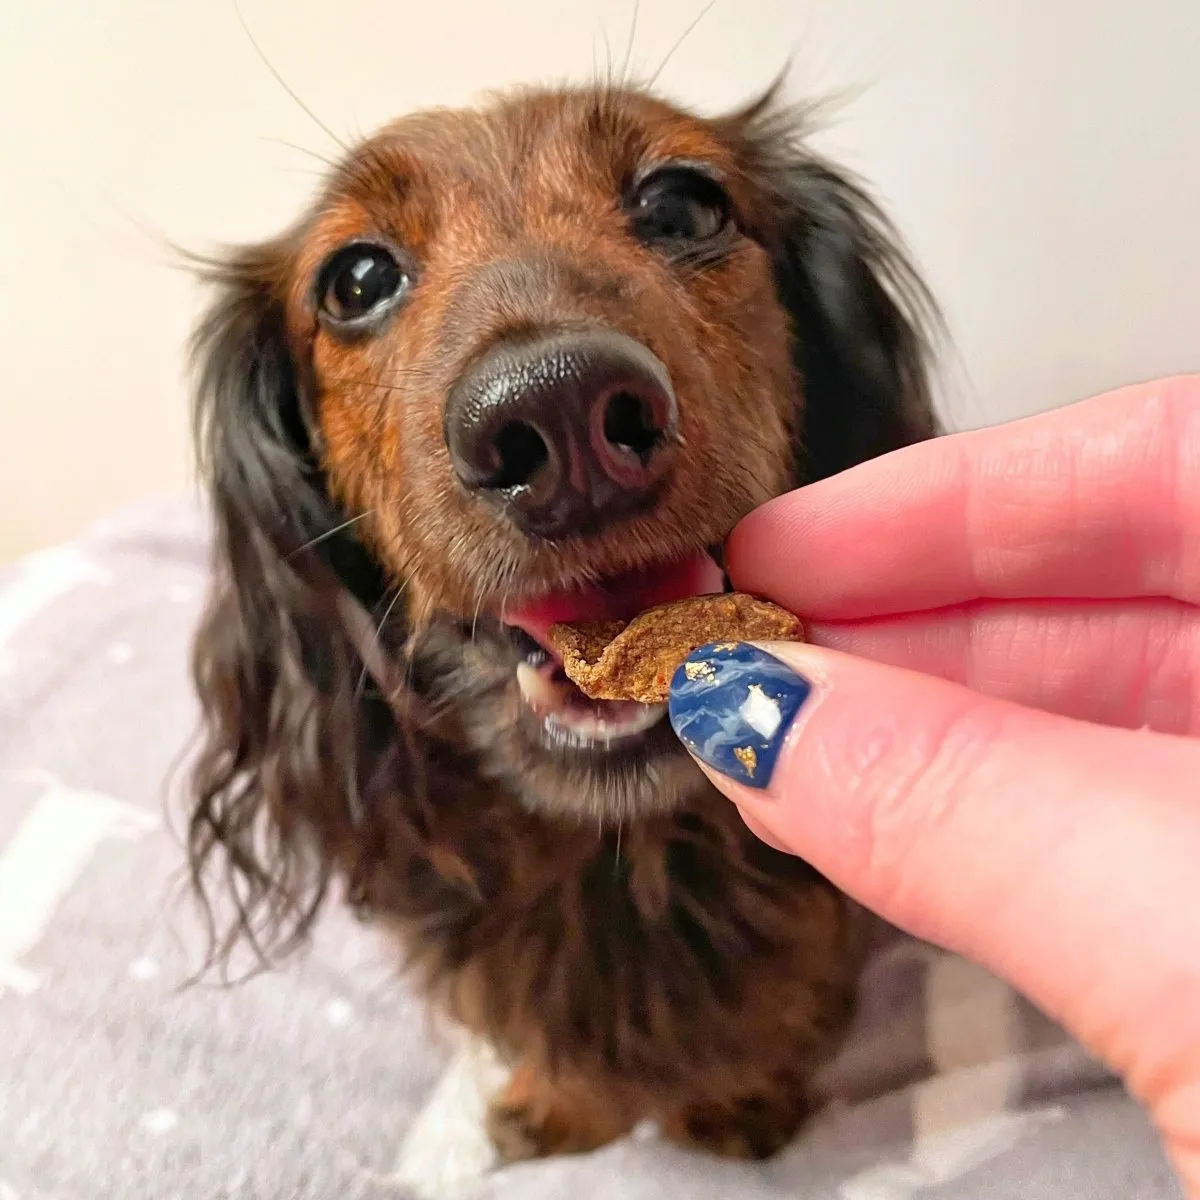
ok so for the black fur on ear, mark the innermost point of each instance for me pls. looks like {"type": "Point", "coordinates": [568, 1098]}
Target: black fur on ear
{"type": "Point", "coordinates": [864, 321]}
{"type": "Point", "coordinates": [279, 682]}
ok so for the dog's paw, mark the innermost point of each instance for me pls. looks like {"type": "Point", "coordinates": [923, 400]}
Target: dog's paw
{"type": "Point", "coordinates": [447, 1146]}
{"type": "Point", "coordinates": [752, 1127]}
{"type": "Point", "coordinates": [535, 1117]}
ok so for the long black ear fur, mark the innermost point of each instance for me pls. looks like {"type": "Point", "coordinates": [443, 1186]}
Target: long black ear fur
{"type": "Point", "coordinates": [863, 321]}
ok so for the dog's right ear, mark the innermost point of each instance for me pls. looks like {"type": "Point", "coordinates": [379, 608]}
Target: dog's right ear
{"type": "Point", "coordinates": [864, 324]}
{"type": "Point", "coordinates": [276, 678]}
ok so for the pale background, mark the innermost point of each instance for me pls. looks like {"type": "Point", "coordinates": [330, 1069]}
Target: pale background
{"type": "Point", "coordinates": [1043, 157]}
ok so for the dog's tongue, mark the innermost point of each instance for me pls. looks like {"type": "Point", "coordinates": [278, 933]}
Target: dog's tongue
{"type": "Point", "coordinates": [620, 598]}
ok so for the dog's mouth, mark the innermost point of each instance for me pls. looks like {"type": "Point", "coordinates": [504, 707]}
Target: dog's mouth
{"type": "Point", "coordinates": [564, 717]}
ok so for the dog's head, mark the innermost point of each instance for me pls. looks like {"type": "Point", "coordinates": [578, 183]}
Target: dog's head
{"type": "Point", "coordinates": [520, 364]}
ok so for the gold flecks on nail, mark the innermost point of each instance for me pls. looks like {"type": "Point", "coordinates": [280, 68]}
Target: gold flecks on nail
{"type": "Point", "coordinates": [726, 646]}
{"type": "Point", "coordinates": [699, 670]}
{"type": "Point", "coordinates": [761, 712]}
{"type": "Point", "coordinates": [747, 757]}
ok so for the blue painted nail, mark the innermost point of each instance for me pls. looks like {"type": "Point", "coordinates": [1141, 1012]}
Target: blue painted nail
{"type": "Point", "coordinates": [732, 704]}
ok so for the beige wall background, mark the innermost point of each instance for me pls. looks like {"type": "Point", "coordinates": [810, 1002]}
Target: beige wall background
{"type": "Point", "coordinates": [1043, 157]}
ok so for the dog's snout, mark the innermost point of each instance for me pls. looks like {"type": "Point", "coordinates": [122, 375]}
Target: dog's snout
{"type": "Point", "coordinates": [566, 431]}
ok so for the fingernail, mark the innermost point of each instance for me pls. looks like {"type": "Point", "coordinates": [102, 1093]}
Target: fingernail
{"type": "Point", "coordinates": [732, 704]}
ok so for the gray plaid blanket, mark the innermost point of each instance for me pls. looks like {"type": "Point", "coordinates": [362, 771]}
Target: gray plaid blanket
{"type": "Point", "coordinates": [325, 1080]}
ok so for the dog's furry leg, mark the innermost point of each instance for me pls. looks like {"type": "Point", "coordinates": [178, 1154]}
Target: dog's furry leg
{"type": "Point", "coordinates": [536, 1116]}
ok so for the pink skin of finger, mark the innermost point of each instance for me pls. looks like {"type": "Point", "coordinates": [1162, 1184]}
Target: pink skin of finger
{"type": "Point", "coordinates": [1022, 591]}
{"type": "Point", "coordinates": [1060, 855]}
{"type": "Point", "coordinates": [1057, 561]}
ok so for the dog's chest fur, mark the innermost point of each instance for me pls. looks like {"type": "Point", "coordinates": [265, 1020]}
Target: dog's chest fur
{"type": "Point", "coordinates": [647, 955]}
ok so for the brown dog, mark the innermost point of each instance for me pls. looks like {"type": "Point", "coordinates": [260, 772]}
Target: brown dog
{"type": "Point", "coordinates": [518, 365]}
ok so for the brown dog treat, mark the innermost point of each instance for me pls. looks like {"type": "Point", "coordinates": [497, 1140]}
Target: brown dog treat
{"type": "Point", "coordinates": [612, 660]}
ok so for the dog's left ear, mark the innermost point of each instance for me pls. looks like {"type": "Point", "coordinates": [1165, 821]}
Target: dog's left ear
{"type": "Point", "coordinates": [863, 320]}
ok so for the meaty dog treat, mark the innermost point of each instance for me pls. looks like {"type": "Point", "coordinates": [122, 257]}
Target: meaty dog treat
{"type": "Point", "coordinates": [615, 660]}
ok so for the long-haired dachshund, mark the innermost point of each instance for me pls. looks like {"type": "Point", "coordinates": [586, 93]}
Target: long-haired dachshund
{"type": "Point", "coordinates": [527, 363]}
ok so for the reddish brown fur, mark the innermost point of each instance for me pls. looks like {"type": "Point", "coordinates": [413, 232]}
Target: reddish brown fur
{"type": "Point", "coordinates": [657, 962]}
{"type": "Point", "coordinates": [551, 248]}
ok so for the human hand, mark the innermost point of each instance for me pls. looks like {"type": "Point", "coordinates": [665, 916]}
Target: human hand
{"type": "Point", "coordinates": [1017, 774]}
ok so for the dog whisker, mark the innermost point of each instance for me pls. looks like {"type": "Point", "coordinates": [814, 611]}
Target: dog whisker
{"type": "Point", "coordinates": [662, 66]}
{"type": "Point", "coordinates": [387, 612]}
{"type": "Point", "coordinates": [371, 383]}
{"type": "Point", "coordinates": [321, 158]}
{"type": "Point", "coordinates": [283, 83]}
{"type": "Point", "coordinates": [321, 537]}
{"type": "Point", "coordinates": [608, 60]}
{"type": "Point", "coordinates": [475, 619]}
{"type": "Point", "coordinates": [627, 61]}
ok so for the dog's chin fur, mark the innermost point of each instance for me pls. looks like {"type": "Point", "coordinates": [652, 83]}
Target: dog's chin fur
{"type": "Point", "coordinates": [604, 920]}
{"type": "Point", "coordinates": [471, 673]}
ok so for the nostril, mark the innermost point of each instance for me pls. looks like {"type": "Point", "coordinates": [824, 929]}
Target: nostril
{"type": "Point", "coordinates": [520, 452]}
{"type": "Point", "coordinates": [563, 433]}
{"type": "Point", "coordinates": [630, 424]}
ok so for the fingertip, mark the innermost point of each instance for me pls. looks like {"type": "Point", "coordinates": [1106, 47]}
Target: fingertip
{"type": "Point", "coordinates": [763, 832]}
{"type": "Point", "coordinates": [732, 705]}
{"type": "Point", "coordinates": [752, 551]}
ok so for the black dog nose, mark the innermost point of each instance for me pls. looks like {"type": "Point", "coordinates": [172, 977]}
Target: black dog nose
{"type": "Point", "coordinates": [566, 431]}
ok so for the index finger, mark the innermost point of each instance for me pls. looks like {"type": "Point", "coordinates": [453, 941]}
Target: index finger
{"type": "Point", "coordinates": [1097, 500]}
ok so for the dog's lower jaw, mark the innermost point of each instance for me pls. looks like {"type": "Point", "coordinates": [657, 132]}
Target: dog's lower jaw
{"type": "Point", "coordinates": [473, 682]}
{"type": "Point", "coordinates": [609, 795]}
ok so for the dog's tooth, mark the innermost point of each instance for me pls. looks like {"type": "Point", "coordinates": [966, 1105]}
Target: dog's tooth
{"type": "Point", "coordinates": [611, 722]}
{"type": "Point", "coordinates": [582, 724]}
{"type": "Point", "coordinates": [537, 690]}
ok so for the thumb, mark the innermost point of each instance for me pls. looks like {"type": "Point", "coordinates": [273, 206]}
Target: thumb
{"type": "Point", "coordinates": [1057, 854]}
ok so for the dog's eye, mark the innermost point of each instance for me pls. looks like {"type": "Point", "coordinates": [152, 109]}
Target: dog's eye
{"type": "Point", "coordinates": [360, 282]}
{"type": "Point", "coordinates": [678, 204]}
